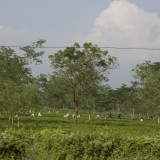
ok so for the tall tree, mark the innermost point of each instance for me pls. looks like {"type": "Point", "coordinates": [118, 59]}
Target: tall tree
{"type": "Point", "coordinates": [149, 76]}
{"type": "Point", "coordinates": [82, 65]}
{"type": "Point", "coordinates": [15, 73]}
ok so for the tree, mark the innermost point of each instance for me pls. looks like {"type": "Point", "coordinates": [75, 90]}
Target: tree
{"type": "Point", "coordinates": [15, 75]}
{"type": "Point", "coordinates": [12, 77]}
{"type": "Point", "coordinates": [31, 52]}
{"type": "Point", "coordinates": [56, 92]}
{"type": "Point", "coordinates": [82, 67]}
{"type": "Point", "coordinates": [10, 98]}
{"type": "Point", "coordinates": [126, 97]}
{"type": "Point", "coordinates": [149, 76]}
{"type": "Point", "coordinates": [12, 67]}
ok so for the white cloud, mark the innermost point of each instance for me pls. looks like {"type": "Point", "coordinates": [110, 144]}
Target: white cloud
{"type": "Point", "coordinates": [123, 24]}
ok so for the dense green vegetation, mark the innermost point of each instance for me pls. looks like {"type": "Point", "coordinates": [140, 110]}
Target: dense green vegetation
{"type": "Point", "coordinates": [54, 137]}
{"type": "Point", "coordinates": [78, 85]}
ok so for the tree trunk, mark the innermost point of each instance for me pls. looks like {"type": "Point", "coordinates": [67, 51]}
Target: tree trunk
{"type": "Point", "coordinates": [54, 108]}
{"type": "Point", "coordinates": [118, 109]}
{"type": "Point", "coordinates": [12, 117]}
{"type": "Point", "coordinates": [75, 99]}
{"type": "Point", "coordinates": [93, 112]}
{"type": "Point", "coordinates": [88, 110]}
{"type": "Point", "coordinates": [89, 115]}
{"type": "Point", "coordinates": [18, 120]}
{"type": "Point", "coordinates": [133, 112]}
{"type": "Point", "coordinates": [76, 113]}
{"type": "Point", "coordinates": [9, 118]}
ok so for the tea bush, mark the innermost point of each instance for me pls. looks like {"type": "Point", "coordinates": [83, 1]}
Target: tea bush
{"type": "Point", "coordinates": [53, 137]}
{"type": "Point", "coordinates": [13, 143]}
{"type": "Point", "coordinates": [60, 145]}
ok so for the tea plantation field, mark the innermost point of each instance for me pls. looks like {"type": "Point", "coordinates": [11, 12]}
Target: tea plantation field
{"type": "Point", "coordinates": [53, 137]}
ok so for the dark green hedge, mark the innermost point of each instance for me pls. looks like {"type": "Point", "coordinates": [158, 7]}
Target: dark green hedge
{"type": "Point", "coordinates": [62, 145]}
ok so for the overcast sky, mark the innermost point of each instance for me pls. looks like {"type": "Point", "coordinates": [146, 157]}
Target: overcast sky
{"type": "Point", "coordinates": [118, 23]}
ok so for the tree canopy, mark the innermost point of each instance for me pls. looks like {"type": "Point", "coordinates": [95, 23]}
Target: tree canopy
{"type": "Point", "coordinates": [85, 68]}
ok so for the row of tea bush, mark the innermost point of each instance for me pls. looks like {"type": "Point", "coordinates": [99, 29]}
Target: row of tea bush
{"type": "Point", "coordinates": [56, 144]}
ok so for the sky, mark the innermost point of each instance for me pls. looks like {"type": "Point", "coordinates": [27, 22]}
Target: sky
{"type": "Point", "coordinates": [107, 23]}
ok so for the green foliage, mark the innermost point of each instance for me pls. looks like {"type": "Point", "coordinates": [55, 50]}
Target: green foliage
{"type": "Point", "coordinates": [84, 68]}
{"type": "Point", "coordinates": [61, 145]}
{"type": "Point", "coordinates": [149, 76]}
{"type": "Point", "coordinates": [31, 53]}
{"type": "Point", "coordinates": [17, 86]}
{"type": "Point", "coordinates": [79, 73]}
{"type": "Point", "coordinates": [14, 143]}
{"type": "Point", "coordinates": [12, 67]}
{"type": "Point", "coordinates": [53, 137]}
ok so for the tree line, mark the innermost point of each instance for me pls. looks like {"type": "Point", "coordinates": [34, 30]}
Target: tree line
{"type": "Point", "coordinates": [78, 81]}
